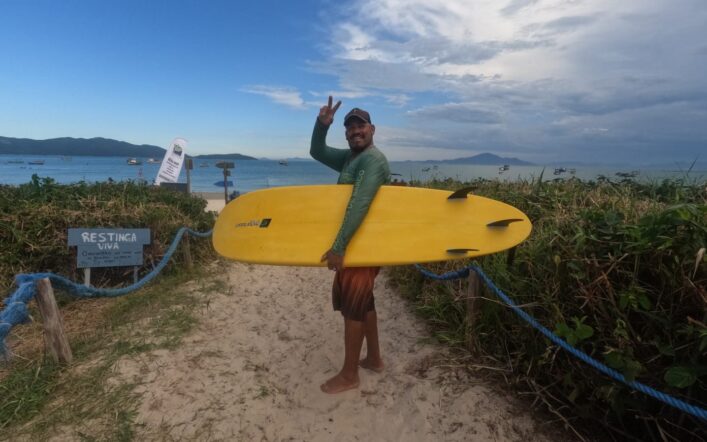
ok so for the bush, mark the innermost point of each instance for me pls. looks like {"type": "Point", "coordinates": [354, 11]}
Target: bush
{"type": "Point", "coordinates": [34, 219]}
{"type": "Point", "coordinates": [618, 270]}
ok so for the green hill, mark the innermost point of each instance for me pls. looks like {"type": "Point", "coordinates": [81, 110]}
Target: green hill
{"type": "Point", "coordinates": [95, 147]}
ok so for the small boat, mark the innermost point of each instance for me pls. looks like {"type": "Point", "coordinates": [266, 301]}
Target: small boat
{"type": "Point", "coordinates": [152, 161]}
{"type": "Point", "coordinates": [134, 162]}
{"type": "Point", "coordinates": [559, 170]}
{"type": "Point", "coordinates": [36, 162]}
{"type": "Point", "coordinates": [504, 167]}
{"type": "Point", "coordinates": [282, 162]}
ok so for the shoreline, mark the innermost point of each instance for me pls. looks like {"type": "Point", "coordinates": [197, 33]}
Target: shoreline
{"type": "Point", "coordinates": [214, 200]}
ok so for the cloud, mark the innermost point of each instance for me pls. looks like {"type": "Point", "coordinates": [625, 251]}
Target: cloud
{"type": "Point", "coordinates": [514, 6]}
{"type": "Point", "coordinates": [570, 23]}
{"type": "Point", "coordinates": [290, 97]}
{"type": "Point", "coordinates": [456, 112]}
{"type": "Point", "coordinates": [374, 74]}
{"type": "Point", "coordinates": [548, 78]}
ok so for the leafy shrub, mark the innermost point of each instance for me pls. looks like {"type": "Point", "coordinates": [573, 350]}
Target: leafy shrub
{"type": "Point", "coordinates": [35, 218]}
{"type": "Point", "coordinates": [616, 269]}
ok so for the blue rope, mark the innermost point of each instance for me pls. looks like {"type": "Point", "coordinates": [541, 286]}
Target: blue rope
{"type": "Point", "coordinates": [670, 400]}
{"type": "Point", "coordinates": [16, 312]}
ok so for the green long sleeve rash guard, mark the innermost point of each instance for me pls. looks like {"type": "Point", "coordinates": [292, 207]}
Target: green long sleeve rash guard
{"type": "Point", "coordinates": [367, 171]}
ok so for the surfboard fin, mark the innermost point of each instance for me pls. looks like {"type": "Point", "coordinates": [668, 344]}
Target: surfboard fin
{"type": "Point", "coordinates": [460, 194]}
{"type": "Point", "coordinates": [503, 222]}
{"type": "Point", "coordinates": [461, 251]}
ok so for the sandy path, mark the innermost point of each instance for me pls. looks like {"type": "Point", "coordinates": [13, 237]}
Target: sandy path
{"type": "Point", "coordinates": [252, 369]}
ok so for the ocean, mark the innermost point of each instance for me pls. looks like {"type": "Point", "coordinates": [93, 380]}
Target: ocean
{"type": "Point", "coordinates": [249, 175]}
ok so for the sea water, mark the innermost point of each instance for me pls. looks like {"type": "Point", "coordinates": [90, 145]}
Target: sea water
{"type": "Point", "coordinates": [248, 175]}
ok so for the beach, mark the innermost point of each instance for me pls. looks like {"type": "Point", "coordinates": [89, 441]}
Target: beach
{"type": "Point", "coordinates": [215, 201]}
{"type": "Point", "coordinates": [265, 343]}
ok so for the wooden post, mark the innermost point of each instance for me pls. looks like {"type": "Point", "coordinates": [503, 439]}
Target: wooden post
{"type": "Point", "coordinates": [472, 308]}
{"type": "Point", "coordinates": [55, 342]}
{"type": "Point", "coordinates": [87, 276]}
{"type": "Point", "coordinates": [189, 165]}
{"type": "Point", "coordinates": [510, 257]}
{"type": "Point", "coordinates": [187, 252]}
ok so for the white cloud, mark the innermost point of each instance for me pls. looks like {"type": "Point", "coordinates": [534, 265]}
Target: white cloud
{"type": "Point", "coordinates": [610, 68]}
{"type": "Point", "coordinates": [558, 78]}
{"type": "Point", "coordinates": [468, 113]}
{"type": "Point", "coordinates": [290, 97]}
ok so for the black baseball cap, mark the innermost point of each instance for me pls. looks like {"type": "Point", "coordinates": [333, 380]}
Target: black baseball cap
{"type": "Point", "coordinates": [357, 113]}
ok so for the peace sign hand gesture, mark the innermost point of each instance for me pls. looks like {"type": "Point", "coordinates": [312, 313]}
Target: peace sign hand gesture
{"type": "Point", "coordinates": [326, 113]}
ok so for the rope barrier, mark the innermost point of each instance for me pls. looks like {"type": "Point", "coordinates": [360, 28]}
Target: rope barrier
{"type": "Point", "coordinates": [15, 311]}
{"type": "Point", "coordinates": [666, 398]}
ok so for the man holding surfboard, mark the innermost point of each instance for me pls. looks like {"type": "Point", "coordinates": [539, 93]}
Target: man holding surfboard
{"type": "Point", "coordinates": [364, 166]}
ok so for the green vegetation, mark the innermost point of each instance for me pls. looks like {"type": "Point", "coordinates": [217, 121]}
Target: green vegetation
{"type": "Point", "coordinates": [38, 398]}
{"type": "Point", "coordinates": [618, 270]}
{"type": "Point", "coordinates": [35, 217]}
{"type": "Point", "coordinates": [41, 398]}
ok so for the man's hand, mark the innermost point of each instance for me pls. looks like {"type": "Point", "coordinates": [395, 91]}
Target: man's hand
{"type": "Point", "coordinates": [333, 261]}
{"type": "Point", "coordinates": [326, 113]}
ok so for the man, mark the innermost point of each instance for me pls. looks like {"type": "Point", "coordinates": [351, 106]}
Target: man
{"type": "Point", "coordinates": [364, 166]}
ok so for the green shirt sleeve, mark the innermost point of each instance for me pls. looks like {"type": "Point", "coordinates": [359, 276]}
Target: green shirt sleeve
{"type": "Point", "coordinates": [330, 156]}
{"type": "Point", "coordinates": [372, 173]}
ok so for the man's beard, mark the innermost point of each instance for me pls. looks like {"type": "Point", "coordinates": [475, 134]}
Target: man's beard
{"type": "Point", "coordinates": [358, 147]}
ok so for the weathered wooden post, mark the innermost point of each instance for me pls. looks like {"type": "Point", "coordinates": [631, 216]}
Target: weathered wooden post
{"type": "Point", "coordinates": [187, 253]}
{"type": "Point", "coordinates": [189, 165]}
{"type": "Point", "coordinates": [55, 342]}
{"type": "Point", "coordinates": [472, 308]}
{"type": "Point", "coordinates": [511, 256]}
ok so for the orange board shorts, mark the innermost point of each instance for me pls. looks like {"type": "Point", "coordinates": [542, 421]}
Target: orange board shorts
{"type": "Point", "coordinates": [352, 293]}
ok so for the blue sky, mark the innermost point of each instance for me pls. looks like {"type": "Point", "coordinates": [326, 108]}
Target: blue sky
{"type": "Point", "coordinates": [542, 80]}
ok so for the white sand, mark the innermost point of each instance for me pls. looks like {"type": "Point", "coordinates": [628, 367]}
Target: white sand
{"type": "Point", "coordinates": [215, 201]}
{"type": "Point", "coordinates": [252, 370]}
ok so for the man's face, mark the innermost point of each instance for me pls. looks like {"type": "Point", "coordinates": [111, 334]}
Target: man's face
{"type": "Point", "coordinates": [359, 134]}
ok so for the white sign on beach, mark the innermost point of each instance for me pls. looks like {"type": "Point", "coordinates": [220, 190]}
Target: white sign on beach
{"type": "Point", "coordinates": [172, 162]}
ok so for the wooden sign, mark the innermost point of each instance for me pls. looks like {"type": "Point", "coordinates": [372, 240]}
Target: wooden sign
{"type": "Point", "coordinates": [108, 247]}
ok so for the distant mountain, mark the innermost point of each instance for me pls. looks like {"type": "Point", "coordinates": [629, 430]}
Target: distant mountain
{"type": "Point", "coordinates": [97, 147]}
{"type": "Point", "coordinates": [487, 159]}
{"type": "Point", "coordinates": [224, 156]}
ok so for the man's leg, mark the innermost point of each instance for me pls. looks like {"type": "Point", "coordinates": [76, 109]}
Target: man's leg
{"type": "Point", "coordinates": [347, 378]}
{"type": "Point", "coordinates": [373, 360]}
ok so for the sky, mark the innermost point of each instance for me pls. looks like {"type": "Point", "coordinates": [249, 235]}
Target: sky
{"type": "Point", "coordinates": [545, 81]}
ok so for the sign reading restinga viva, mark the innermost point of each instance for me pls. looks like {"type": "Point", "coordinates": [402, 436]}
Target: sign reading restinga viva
{"type": "Point", "coordinates": [108, 247]}
{"type": "Point", "coordinates": [172, 162]}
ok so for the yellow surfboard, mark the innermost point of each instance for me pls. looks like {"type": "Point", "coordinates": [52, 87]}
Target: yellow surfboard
{"type": "Point", "coordinates": [404, 225]}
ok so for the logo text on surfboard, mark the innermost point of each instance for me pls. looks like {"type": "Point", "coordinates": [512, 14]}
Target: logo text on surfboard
{"type": "Point", "coordinates": [255, 223]}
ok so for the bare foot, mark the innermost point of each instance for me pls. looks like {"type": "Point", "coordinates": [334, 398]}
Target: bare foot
{"type": "Point", "coordinates": [337, 384]}
{"type": "Point", "coordinates": [376, 366]}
